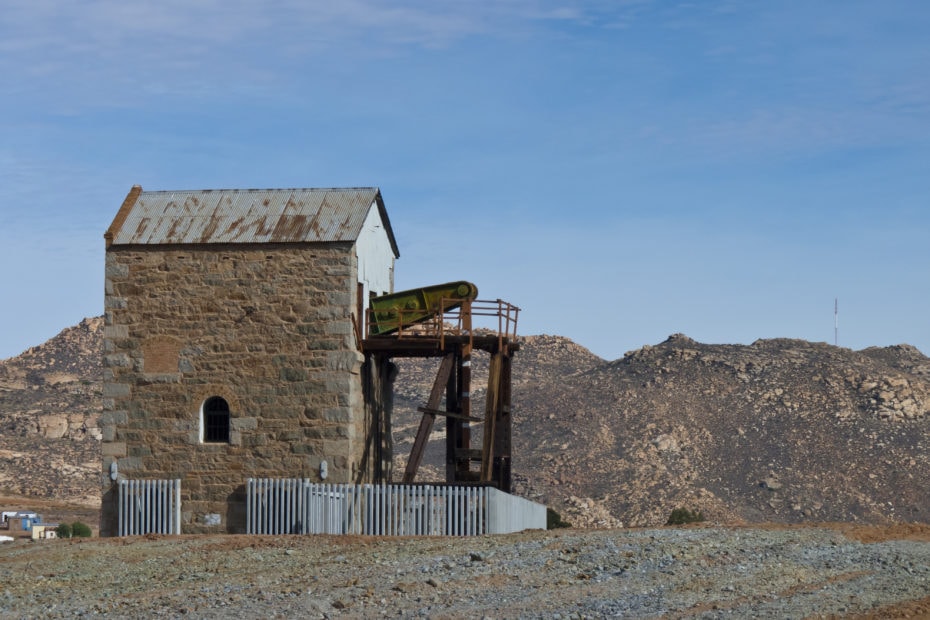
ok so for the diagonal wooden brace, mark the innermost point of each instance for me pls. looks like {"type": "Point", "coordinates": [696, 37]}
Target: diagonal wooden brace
{"type": "Point", "coordinates": [426, 423]}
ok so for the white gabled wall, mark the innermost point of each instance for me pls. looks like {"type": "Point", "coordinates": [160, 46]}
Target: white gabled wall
{"type": "Point", "coordinates": [375, 256]}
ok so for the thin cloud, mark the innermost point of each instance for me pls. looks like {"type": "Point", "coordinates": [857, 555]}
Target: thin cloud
{"type": "Point", "coordinates": [113, 50]}
{"type": "Point", "coordinates": [784, 130]}
{"type": "Point", "coordinates": [101, 26]}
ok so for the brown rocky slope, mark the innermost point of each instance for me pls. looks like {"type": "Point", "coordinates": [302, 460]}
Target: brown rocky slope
{"type": "Point", "coordinates": [780, 430]}
{"type": "Point", "coordinates": [49, 407]}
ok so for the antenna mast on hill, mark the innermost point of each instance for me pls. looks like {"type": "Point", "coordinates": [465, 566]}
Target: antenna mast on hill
{"type": "Point", "coordinates": [836, 321]}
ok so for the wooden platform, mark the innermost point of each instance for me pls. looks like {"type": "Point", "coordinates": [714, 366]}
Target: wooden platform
{"type": "Point", "coordinates": [431, 346]}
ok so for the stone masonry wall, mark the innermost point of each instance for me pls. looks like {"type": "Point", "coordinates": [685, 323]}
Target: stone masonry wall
{"type": "Point", "coordinates": [267, 328]}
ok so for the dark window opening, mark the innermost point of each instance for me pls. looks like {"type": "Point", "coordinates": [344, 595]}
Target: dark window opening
{"type": "Point", "coordinates": [216, 420]}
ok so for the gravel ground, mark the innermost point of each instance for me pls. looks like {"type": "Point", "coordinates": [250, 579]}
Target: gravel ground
{"type": "Point", "coordinates": [701, 572]}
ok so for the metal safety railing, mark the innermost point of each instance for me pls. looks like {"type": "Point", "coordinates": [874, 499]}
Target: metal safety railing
{"type": "Point", "coordinates": [456, 318]}
{"type": "Point", "coordinates": [296, 506]}
{"type": "Point", "coordinates": [149, 507]}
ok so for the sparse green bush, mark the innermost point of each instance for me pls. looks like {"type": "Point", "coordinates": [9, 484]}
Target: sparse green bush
{"type": "Point", "coordinates": [681, 516]}
{"type": "Point", "coordinates": [554, 520]}
{"type": "Point", "coordinates": [81, 530]}
{"type": "Point", "coordinates": [63, 531]}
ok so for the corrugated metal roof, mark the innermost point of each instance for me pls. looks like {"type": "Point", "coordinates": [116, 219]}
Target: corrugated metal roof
{"type": "Point", "coordinates": [245, 216]}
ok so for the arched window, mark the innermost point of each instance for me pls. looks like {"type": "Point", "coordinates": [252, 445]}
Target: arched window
{"type": "Point", "coordinates": [214, 420]}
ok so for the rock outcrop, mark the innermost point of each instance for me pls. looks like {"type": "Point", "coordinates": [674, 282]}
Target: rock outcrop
{"type": "Point", "coordinates": [780, 430]}
{"type": "Point", "coordinates": [49, 416]}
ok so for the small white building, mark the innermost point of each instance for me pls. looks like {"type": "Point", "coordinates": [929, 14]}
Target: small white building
{"type": "Point", "coordinates": [44, 531]}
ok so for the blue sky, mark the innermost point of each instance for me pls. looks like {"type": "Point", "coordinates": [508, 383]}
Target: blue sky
{"type": "Point", "coordinates": [620, 170]}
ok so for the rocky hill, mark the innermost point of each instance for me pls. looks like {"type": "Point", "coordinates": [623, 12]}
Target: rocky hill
{"type": "Point", "coordinates": [49, 407]}
{"type": "Point", "coordinates": [780, 430]}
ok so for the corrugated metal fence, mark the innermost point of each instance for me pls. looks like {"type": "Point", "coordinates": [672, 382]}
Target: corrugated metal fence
{"type": "Point", "coordinates": [149, 507]}
{"type": "Point", "coordinates": [296, 506]}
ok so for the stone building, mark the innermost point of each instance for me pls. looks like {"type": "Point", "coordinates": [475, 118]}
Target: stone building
{"type": "Point", "coordinates": [233, 344]}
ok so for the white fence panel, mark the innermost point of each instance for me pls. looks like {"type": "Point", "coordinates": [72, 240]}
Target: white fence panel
{"type": "Point", "coordinates": [508, 513]}
{"type": "Point", "coordinates": [298, 506]}
{"type": "Point", "coordinates": [149, 507]}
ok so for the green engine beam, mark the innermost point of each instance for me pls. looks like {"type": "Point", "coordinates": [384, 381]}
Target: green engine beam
{"type": "Point", "coordinates": [389, 312]}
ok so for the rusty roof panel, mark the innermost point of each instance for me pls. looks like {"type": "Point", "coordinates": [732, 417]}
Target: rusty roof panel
{"type": "Point", "coordinates": [246, 216]}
